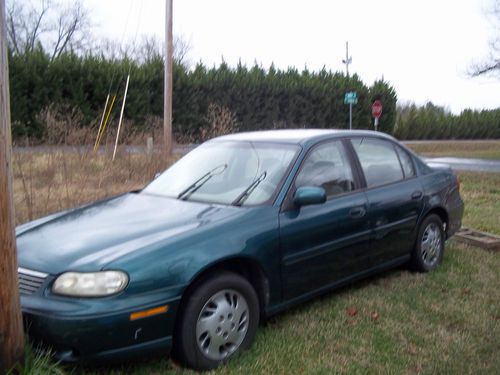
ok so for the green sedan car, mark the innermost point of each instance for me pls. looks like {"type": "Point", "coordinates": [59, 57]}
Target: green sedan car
{"type": "Point", "coordinates": [242, 227]}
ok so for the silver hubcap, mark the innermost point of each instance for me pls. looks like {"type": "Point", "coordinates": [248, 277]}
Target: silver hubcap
{"type": "Point", "coordinates": [431, 244]}
{"type": "Point", "coordinates": [222, 324]}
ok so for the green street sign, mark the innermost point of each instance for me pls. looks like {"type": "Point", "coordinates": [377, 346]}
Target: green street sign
{"type": "Point", "coordinates": [351, 98]}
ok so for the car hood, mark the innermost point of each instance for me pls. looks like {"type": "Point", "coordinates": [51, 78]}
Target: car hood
{"type": "Point", "coordinates": [89, 238]}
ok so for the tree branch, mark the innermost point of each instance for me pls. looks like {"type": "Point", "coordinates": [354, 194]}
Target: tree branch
{"type": "Point", "coordinates": [492, 65]}
{"type": "Point", "coordinates": [12, 27]}
{"type": "Point", "coordinates": [36, 31]}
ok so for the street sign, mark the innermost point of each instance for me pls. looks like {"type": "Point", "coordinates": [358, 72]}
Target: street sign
{"type": "Point", "coordinates": [377, 109]}
{"type": "Point", "coordinates": [351, 98]}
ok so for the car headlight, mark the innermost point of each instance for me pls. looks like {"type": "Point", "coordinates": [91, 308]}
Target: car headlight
{"type": "Point", "coordinates": [90, 284]}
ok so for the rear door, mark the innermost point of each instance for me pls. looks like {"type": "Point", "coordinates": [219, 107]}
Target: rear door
{"type": "Point", "coordinates": [324, 243]}
{"type": "Point", "coordinates": [395, 197]}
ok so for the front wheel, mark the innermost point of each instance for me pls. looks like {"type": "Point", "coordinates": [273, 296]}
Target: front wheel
{"type": "Point", "coordinates": [429, 247]}
{"type": "Point", "coordinates": [219, 319]}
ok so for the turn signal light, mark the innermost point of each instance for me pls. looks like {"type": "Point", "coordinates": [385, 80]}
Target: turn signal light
{"type": "Point", "coordinates": [148, 313]}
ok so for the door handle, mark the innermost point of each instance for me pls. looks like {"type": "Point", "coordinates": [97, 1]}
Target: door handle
{"type": "Point", "coordinates": [357, 212]}
{"type": "Point", "coordinates": [416, 195]}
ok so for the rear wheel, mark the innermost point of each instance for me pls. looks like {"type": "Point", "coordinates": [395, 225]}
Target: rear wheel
{"type": "Point", "coordinates": [429, 247]}
{"type": "Point", "coordinates": [219, 320]}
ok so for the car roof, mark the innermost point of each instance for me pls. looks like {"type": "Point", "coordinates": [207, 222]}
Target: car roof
{"type": "Point", "coordinates": [298, 136]}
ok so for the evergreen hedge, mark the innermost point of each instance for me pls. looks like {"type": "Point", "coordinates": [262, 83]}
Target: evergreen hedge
{"type": "Point", "coordinates": [259, 98]}
{"type": "Point", "coordinates": [432, 122]}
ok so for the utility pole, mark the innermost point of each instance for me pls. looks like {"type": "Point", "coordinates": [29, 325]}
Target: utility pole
{"type": "Point", "coordinates": [167, 106]}
{"type": "Point", "coordinates": [11, 324]}
{"type": "Point", "coordinates": [348, 59]}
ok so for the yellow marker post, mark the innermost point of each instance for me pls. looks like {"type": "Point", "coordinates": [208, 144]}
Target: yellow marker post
{"type": "Point", "coordinates": [102, 120]}
{"type": "Point", "coordinates": [105, 123]}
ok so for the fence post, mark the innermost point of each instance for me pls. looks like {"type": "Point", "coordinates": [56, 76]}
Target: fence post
{"type": "Point", "coordinates": [149, 147]}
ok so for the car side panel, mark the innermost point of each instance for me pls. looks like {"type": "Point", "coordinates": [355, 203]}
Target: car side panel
{"type": "Point", "coordinates": [393, 212]}
{"type": "Point", "coordinates": [323, 243]}
{"type": "Point", "coordinates": [441, 191]}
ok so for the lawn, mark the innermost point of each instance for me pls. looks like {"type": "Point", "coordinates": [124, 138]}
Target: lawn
{"type": "Point", "coordinates": [400, 322]}
{"type": "Point", "coordinates": [466, 149]}
{"type": "Point", "coordinates": [481, 193]}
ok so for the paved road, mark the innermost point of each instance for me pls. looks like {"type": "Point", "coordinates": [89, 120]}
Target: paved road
{"type": "Point", "coordinates": [178, 149]}
{"type": "Point", "coordinates": [464, 164]}
{"type": "Point", "coordinates": [444, 141]}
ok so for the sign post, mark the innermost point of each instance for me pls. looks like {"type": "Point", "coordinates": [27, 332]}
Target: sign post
{"type": "Point", "coordinates": [376, 112]}
{"type": "Point", "coordinates": [350, 98]}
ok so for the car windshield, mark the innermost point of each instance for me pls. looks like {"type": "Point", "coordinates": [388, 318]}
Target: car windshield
{"type": "Point", "coordinates": [226, 172]}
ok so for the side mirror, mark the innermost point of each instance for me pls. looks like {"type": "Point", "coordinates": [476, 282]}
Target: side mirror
{"type": "Point", "coordinates": [306, 195]}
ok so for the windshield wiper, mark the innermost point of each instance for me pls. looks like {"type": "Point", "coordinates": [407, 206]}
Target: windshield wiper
{"type": "Point", "coordinates": [246, 193]}
{"type": "Point", "coordinates": [187, 192]}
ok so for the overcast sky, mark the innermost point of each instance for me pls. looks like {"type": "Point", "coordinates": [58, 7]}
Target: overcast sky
{"type": "Point", "coordinates": [423, 48]}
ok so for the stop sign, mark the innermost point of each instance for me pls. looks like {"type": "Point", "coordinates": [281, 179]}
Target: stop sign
{"type": "Point", "coordinates": [377, 108]}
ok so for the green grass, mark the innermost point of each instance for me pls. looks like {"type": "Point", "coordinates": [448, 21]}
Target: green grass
{"type": "Point", "coordinates": [465, 149]}
{"type": "Point", "coordinates": [36, 363]}
{"type": "Point", "coordinates": [481, 194]}
{"type": "Point", "coordinates": [444, 322]}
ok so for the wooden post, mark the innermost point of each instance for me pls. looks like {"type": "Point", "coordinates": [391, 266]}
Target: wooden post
{"type": "Point", "coordinates": [11, 325]}
{"type": "Point", "coordinates": [167, 93]}
{"type": "Point", "coordinates": [149, 148]}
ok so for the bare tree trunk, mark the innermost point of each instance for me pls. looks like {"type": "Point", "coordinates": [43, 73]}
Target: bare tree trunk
{"type": "Point", "coordinates": [11, 326]}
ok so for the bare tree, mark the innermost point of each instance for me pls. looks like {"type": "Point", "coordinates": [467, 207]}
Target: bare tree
{"type": "Point", "coordinates": [182, 48]}
{"type": "Point", "coordinates": [57, 28]}
{"type": "Point", "coordinates": [48, 24]}
{"type": "Point", "coordinates": [71, 27]}
{"type": "Point", "coordinates": [492, 64]}
{"type": "Point", "coordinates": [24, 26]}
{"type": "Point", "coordinates": [148, 48]}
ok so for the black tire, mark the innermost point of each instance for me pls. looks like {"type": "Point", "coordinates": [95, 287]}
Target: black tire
{"type": "Point", "coordinates": [429, 245]}
{"type": "Point", "coordinates": [218, 298]}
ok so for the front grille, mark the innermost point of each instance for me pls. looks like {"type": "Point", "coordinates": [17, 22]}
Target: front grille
{"type": "Point", "coordinates": [30, 281]}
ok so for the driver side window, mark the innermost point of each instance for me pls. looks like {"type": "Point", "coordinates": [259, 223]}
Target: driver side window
{"type": "Point", "coordinates": [327, 166]}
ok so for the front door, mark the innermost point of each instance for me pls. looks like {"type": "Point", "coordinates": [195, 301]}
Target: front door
{"type": "Point", "coordinates": [324, 243]}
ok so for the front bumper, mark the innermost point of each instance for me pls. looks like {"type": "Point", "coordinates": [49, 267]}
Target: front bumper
{"type": "Point", "coordinates": [94, 329]}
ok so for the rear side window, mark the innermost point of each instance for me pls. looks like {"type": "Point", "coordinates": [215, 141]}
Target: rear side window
{"type": "Point", "coordinates": [379, 161]}
{"type": "Point", "coordinates": [327, 166]}
{"type": "Point", "coordinates": [406, 162]}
